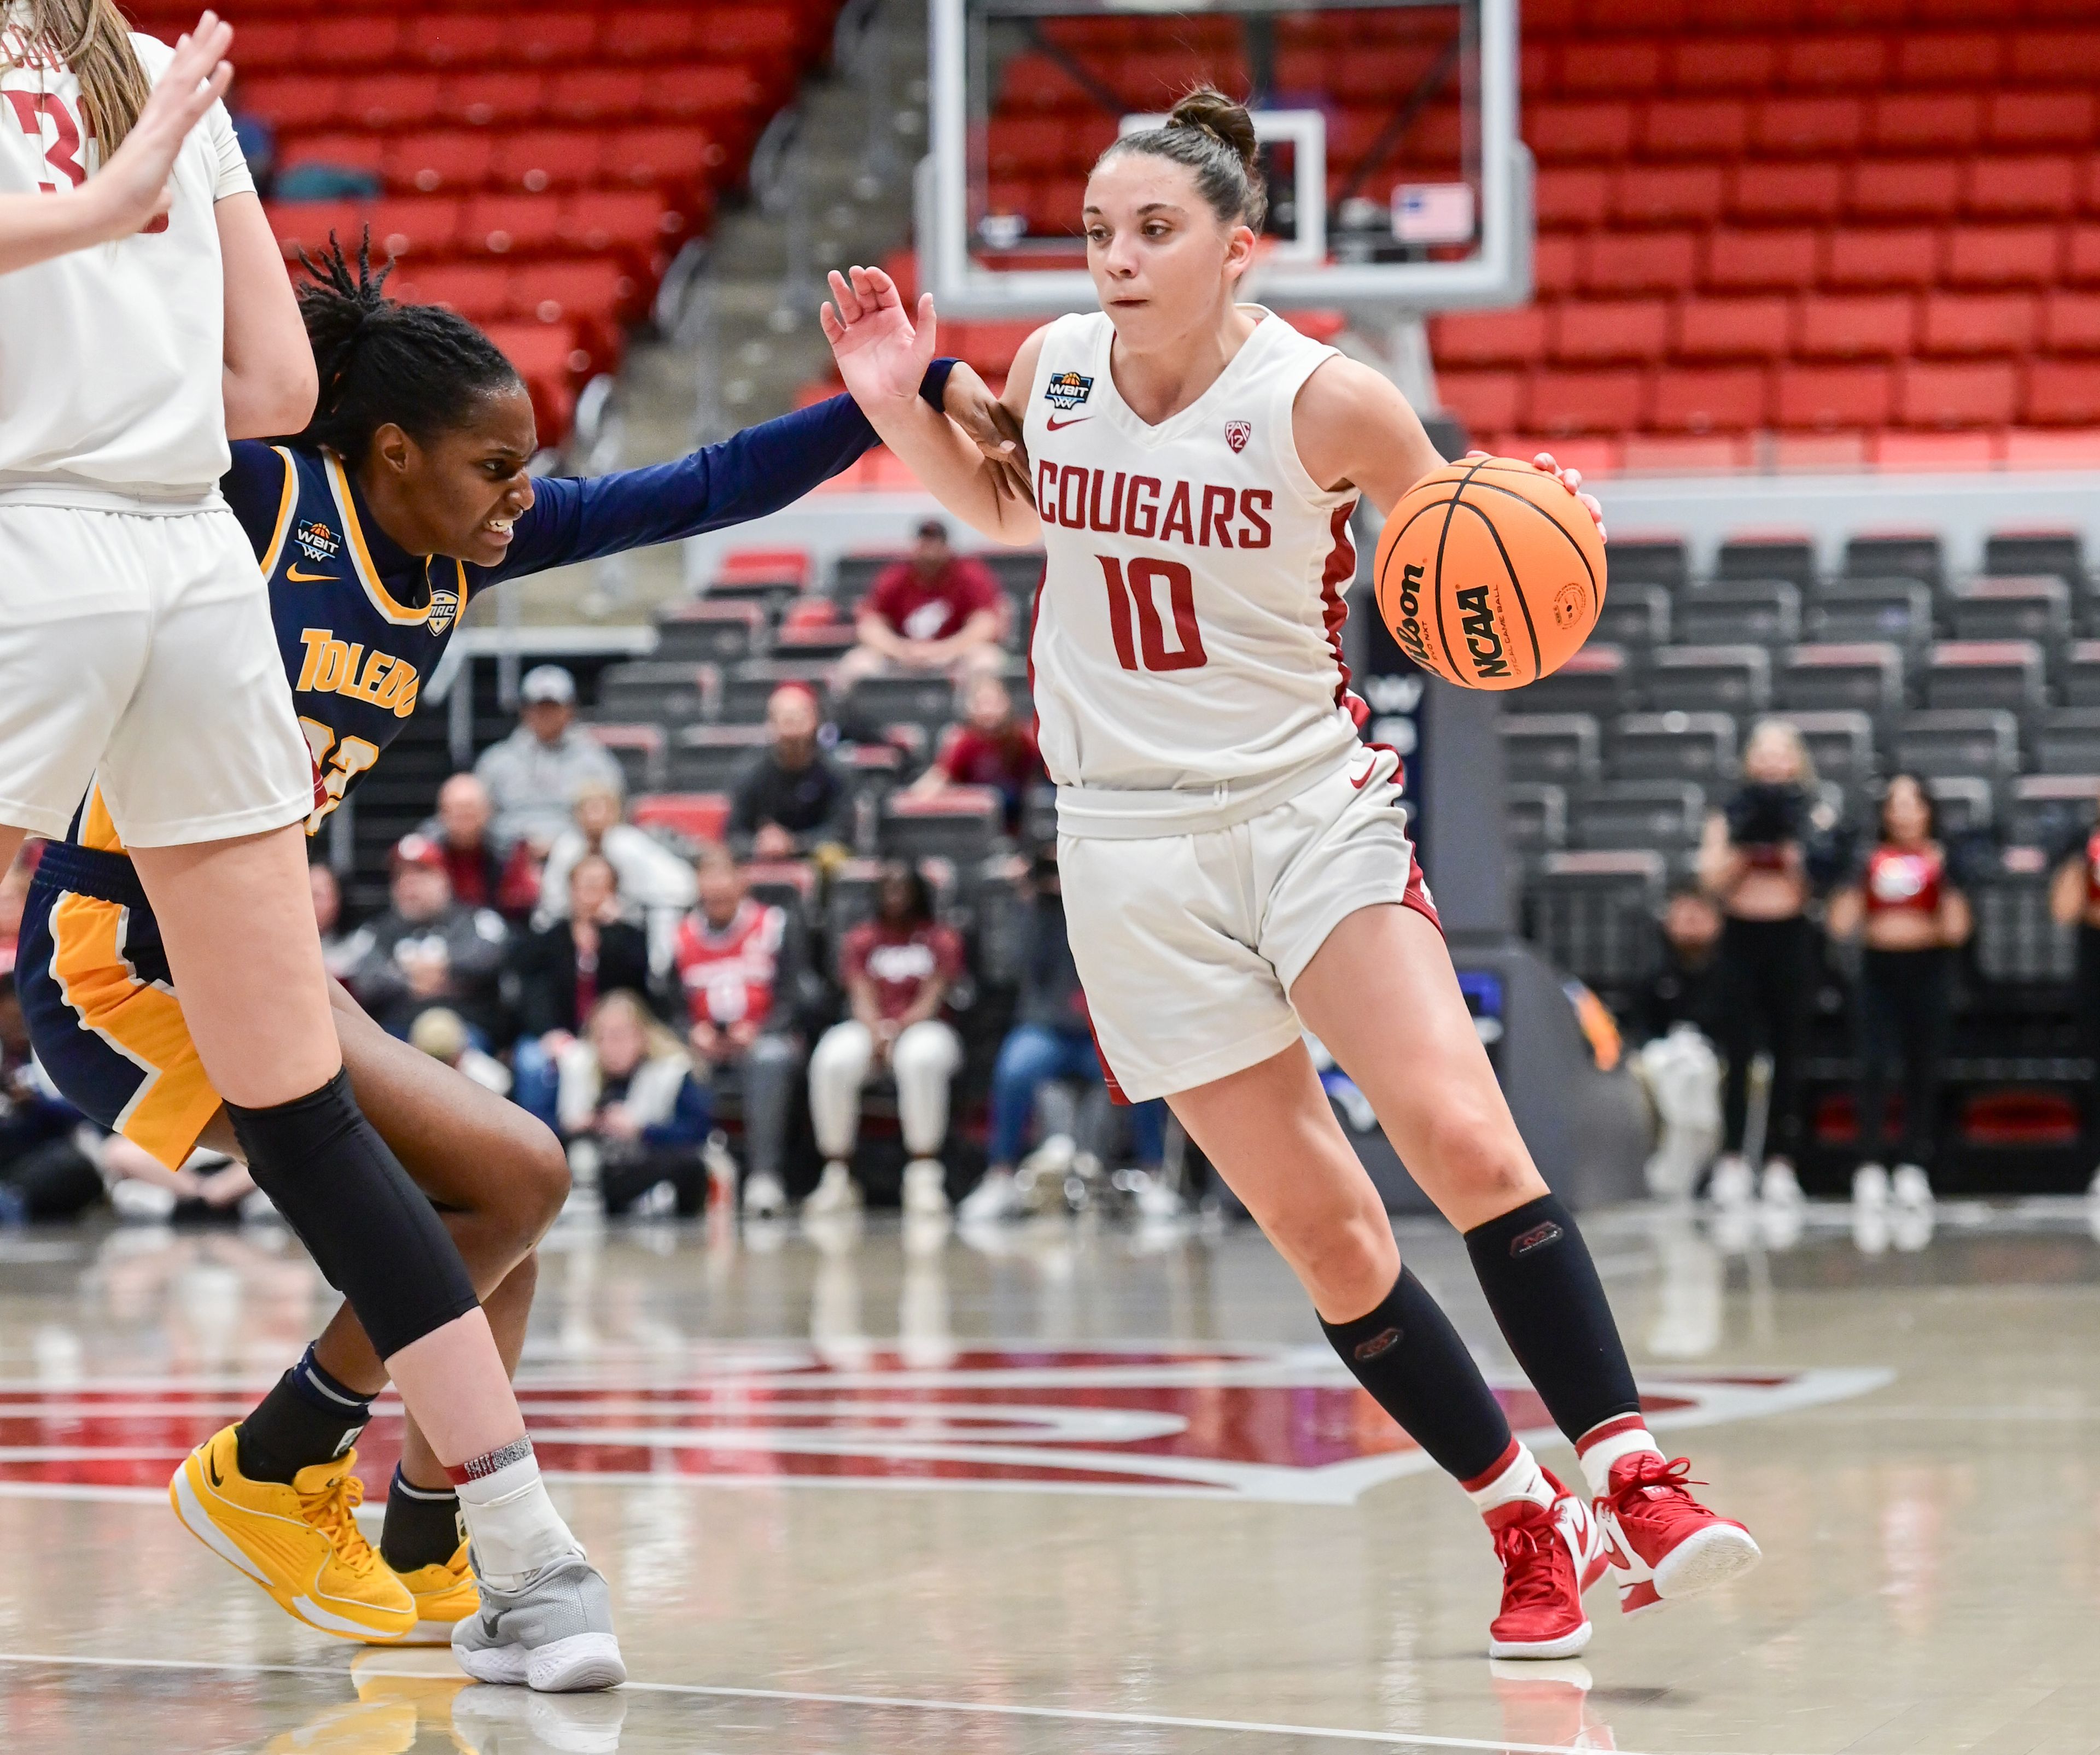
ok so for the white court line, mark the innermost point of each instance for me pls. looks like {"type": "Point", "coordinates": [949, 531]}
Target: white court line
{"type": "Point", "coordinates": [1064, 1714]}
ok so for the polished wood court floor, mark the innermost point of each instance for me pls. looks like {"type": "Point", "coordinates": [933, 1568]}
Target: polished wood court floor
{"type": "Point", "coordinates": [1089, 1488]}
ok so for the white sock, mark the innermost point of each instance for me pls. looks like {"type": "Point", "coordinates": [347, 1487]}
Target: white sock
{"type": "Point", "coordinates": [511, 1523]}
{"type": "Point", "coordinates": [1603, 1445]}
{"type": "Point", "coordinates": [1515, 1476]}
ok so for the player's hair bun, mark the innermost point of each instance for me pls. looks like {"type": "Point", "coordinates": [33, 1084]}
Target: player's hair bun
{"type": "Point", "coordinates": [1210, 110]}
{"type": "Point", "coordinates": [1214, 137]}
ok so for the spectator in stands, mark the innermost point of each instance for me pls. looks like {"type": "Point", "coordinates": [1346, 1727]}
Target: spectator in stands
{"type": "Point", "coordinates": [791, 799]}
{"type": "Point", "coordinates": [990, 748]}
{"type": "Point", "coordinates": [1050, 1039]}
{"type": "Point", "coordinates": [1686, 990]}
{"type": "Point", "coordinates": [738, 961]}
{"type": "Point", "coordinates": [482, 876]}
{"type": "Point", "coordinates": [653, 879]}
{"type": "Point", "coordinates": [1754, 860]}
{"type": "Point", "coordinates": [564, 968]}
{"type": "Point", "coordinates": [897, 969]}
{"type": "Point", "coordinates": [428, 949]}
{"type": "Point", "coordinates": [442, 1033]}
{"type": "Point", "coordinates": [634, 1118]}
{"type": "Point", "coordinates": [2074, 898]}
{"type": "Point", "coordinates": [1903, 902]}
{"type": "Point", "coordinates": [327, 890]}
{"type": "Point", "coordinates": [936, 612]}
{"type": "Point", "coordinates": [533, 775]}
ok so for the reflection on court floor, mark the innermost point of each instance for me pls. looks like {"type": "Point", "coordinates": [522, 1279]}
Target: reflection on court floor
{"type": "Point", "coordinates": [1071, 1487]}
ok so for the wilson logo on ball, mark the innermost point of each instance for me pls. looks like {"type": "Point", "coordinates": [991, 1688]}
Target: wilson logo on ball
{"type": "Point", "coordinates": [1490, 573]}
{"type": "Point", "coordinates": [1407, 626]}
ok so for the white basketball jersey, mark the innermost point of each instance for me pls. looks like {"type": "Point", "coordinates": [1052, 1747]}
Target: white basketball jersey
{"type": "Point", "coordinates": [111, 357]}
{"type": "Point", "coordinates": [1187, 651]}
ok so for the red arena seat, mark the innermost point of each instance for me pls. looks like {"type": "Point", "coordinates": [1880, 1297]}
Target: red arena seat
{"type": "Point", "coordinates": [1733, 329]}
{"type": "Point", "coordinates": [1930, 393]}
{"type": "Point", "coordinates": [450, 159]}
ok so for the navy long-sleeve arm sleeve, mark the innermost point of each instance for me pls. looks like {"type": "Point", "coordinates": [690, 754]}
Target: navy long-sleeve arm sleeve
{"type": "Point", "coordinates": [756, 471]}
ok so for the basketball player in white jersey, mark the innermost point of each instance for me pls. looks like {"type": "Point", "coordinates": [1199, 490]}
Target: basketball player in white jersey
{"type": "Point", "coordinates": [145, 317]}
{"type": "Point", "coordinates": [1237, 867]}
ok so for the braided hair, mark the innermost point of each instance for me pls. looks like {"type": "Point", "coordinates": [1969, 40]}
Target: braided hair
{"type": "Point", "coordinates": [418, 367]}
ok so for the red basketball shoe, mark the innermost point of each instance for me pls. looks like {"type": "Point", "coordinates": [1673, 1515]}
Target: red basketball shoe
{"type": "Point", "coordinates": [1550, 1554]}
{"type": "Point", "coordinates": [1662, 1544]}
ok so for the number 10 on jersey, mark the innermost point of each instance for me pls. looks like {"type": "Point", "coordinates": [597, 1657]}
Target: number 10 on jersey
{"type": "Point", "coordinates": [1134, 587]}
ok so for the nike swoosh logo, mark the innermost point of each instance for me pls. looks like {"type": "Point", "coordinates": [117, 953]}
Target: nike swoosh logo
{"type": "Point", "coordinates": [1056, 425]}
{"type": "Point", "coordinates": [211, 1469]}
{"type": "Point", "coordinates": [299, 578]}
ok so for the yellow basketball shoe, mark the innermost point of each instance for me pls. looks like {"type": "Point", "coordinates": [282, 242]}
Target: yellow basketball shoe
{"type": "Point", "coordinates": [445, 1594]}
{"type": "Point", "coordinates": [301, 1543]}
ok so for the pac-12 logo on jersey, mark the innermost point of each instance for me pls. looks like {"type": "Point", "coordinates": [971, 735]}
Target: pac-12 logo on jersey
{"type": "Point", "coordinates": [316, 541]}
{"type": "Point", "coordinates": [1238, 433]}
{"type": "Point", "coordinates": [1066, 390]}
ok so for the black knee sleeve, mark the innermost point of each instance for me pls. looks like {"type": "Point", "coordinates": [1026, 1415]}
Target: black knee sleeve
{"type": "Point", "coordinates": [1544, 1291]}
{"type": "Point", "coordinates": [1408, 1356]}
{"type": "Point", "coordinates": [371, 1232]}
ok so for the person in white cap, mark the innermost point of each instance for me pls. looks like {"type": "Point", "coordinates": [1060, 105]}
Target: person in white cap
{"type": "Point", "coordinates": [534, 775]}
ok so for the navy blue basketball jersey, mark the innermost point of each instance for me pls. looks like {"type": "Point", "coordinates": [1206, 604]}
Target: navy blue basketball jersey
{"type": "Point", "coordinates": [359, 637]}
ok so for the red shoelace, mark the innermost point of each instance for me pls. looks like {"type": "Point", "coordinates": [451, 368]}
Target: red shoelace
{"type": "Point", "coordinates": [1537, 1572]}
{"type": "Point", "coordinates": [1672, 1505]}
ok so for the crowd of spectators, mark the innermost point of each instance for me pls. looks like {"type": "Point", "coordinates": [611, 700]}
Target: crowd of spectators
{"type": "Point", "coordinates": [1799, 921]}
{"type": "Point", "coordinates": [677, 1031]}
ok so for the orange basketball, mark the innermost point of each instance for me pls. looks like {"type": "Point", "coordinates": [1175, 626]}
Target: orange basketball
{"type": "Point", "coordinates": [1490, 573]}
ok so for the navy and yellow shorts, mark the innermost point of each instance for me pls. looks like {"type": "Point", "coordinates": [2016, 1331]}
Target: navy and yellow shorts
{"type": "Point", "coordinates": [101, 1007]}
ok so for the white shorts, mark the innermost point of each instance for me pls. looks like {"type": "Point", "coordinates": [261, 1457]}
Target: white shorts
{"type": "Point", "coordinates": [136, 652]}
{"type": "Point", "coordinates": [1188, 945]}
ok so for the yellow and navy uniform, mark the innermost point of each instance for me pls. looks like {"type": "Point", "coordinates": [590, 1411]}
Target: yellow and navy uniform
{"type": "Point", "coordinates": [361, 624]}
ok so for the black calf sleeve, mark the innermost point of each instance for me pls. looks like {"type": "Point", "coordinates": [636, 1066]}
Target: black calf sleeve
{"type": "Point", "coordinates": [1408, 1356]}
{"type": "Point", "coordinates": [369, 1229]}
{"type": "Point", "coordinates": [1544, 1291]}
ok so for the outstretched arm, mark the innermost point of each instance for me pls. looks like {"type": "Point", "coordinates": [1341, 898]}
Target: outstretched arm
{"type": "Point", "coordinates": [751, 472]}
{"type": "Point", "coordinates": [882, 352]}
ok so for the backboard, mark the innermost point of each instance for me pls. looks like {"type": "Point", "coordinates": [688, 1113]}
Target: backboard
{"type": "Point", "coordinates": [1397, 180]}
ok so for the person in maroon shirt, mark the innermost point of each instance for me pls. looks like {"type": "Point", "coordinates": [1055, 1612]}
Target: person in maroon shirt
{"type": "Point", "coordinates": [482, 878]}
{"type": "Point", "coordinates": [898, 968]}
{"type": "Point", "coordinates": [937, 612]}
{"type": "Point", "coordinates": [991, 747]}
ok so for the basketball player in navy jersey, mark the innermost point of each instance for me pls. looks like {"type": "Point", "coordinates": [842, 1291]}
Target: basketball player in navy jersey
{"type": "Point", "coordinates": [406, 497]}
{"type": "Point", "coordinates": [1236, 868]}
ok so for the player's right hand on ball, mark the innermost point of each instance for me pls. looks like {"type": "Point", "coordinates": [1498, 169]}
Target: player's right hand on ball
{"type": "Point", "coordinates": [882, 356]}
{"type": "Point", "coordinates": [133, 188]}
{"type": "Point", "coordinates": [1547, 463]}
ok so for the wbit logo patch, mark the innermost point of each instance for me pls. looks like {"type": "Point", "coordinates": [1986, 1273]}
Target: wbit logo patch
{"type": "Point", "coordinates": [1067, 390]}
{"type": "Point", "coordinates": [316, 541]}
